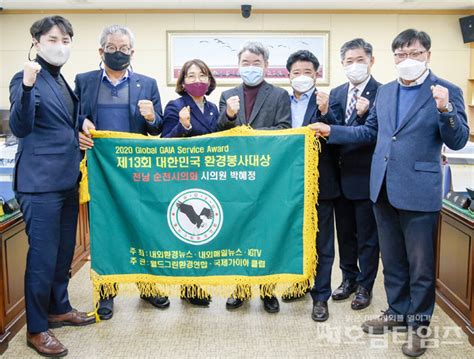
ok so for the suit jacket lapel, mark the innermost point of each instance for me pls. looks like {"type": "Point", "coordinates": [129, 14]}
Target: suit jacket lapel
{"type": "Point", "coordinates": [75, 101]}
{"type": "Point", "coordinates": [241, 114]}
{"type": "Point", "coordinates": [134, 91]}
{"type": "Point", "coordinates": [390, 103]}
{"type": "Point", "coordinates": [309, 115]}
{"type": "Point", "coordinates": [54, 87]}
{"type": "Point", "coordinates": [261, 96]}
{"type": "Point", "coordinates": [423, 96]}
{"type": "Point", "coordinates": [95, 86]}
{"type": "Point", "coordinates": [370, 90]}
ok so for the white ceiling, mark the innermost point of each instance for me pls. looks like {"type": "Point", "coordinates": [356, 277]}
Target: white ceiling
{"type": "Point", "coordinates": [235, 4]}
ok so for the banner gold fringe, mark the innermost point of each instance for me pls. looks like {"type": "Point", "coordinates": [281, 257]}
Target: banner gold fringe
{"type": "Point", "coordinates": [239, 286]}
{"type": "Point", "coordinates": [241, 291]}
{"type": "Point", "coordinates": [84, 195]}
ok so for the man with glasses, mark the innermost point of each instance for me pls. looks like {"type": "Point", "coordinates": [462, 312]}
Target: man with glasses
{"type": "Point", "coordinates": [114, 98]}
{"type": "Point", "coordinates": [411, 119]}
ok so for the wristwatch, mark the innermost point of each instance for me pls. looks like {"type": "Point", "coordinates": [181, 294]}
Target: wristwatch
{"type": "Point", "coordinates": [447, 108]}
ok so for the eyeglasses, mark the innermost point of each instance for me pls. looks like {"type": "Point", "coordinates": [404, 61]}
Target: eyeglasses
{"type": "Point", "coordinates": [194, 77]}
{"type": "Point", "coordinates": [411, 55]}
{"type": "Point", "coordinates": [111, 49]}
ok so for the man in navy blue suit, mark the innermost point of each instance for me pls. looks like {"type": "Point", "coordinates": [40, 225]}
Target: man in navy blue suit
{"type": "Point", "coordinates": [115, 98]}
{"type": "Point", "coordinates": [411, 119]}
{"type": "Point", "coordinates": [355, 222]}
{"type": "Point", "coordinates": [308, 105]}
{"type": "Point", "coordinates": [43, 115]}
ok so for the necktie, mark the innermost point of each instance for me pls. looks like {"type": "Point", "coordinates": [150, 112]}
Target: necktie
{"type": "Point", "coordinates": [352, 105]}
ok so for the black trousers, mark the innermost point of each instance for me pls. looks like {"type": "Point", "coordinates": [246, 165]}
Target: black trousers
{"type": "Point", "coordinates": [358, 241]}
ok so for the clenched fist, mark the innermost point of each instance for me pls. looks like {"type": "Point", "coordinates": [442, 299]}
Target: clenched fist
{"type": "Point", "coordinates": [322, 101]}
{"type": "Point", "coordinates": [147, 110]}
{"type": "Point", "coordinates": [30, 72]}
{"type": "Point", "coordinates": [362, 105]}
{"type": "Point", "coordinates": [233, 106]}
{"type": "Point", "coordinates": [185, 117]}
{"type": "Point", "coordinates": [441, 96]}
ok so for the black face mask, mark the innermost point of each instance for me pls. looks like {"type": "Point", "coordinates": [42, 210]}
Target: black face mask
{"type": "Point", "coordinates": [117, 61]}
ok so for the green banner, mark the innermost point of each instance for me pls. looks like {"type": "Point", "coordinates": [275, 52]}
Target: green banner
{"type": "Point", "coordinates": [232, 207]}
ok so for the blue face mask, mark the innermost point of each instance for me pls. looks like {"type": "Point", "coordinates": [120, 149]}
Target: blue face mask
{"type": "Point", "coordinates": [251, 75]}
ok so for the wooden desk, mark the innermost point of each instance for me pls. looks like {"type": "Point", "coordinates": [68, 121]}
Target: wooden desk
{"type": "Point", "coordinates": [14, 246]}
{"type": "Point", "coordinates": [455, 268]}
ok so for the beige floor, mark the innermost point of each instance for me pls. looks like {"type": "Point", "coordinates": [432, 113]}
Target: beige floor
{"type": "Point", "coordinates": [138, 330]}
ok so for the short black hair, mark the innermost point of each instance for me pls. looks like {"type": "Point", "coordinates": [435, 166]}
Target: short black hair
{"type": "Point", "coordinates": [356, 44]}
{"type": "Point", "coordinates": [410, 36]}
{"type": "Point", "coordinates": [302, 55]}
{"type": "Point", "coordinates": [42, 26]}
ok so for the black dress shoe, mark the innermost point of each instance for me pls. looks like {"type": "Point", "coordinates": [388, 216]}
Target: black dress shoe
{"type": "Point", "coordinates": [195, 295]}
{"type": "Point", "coordinates": [346, 288]}
{"type": "Point", "coordinates": [233, 303]}
{"type": "Point", "coordinates": [362, 299]}
{"type": "Point", "coordinates": [106, 308]}
{"type": "Point", "coordinates": [157, 301]}
{"type": "Point", "coordinates": [270, 304]}
{"type": "Point", "coordinates": [199, 302]}
{"type": "Point", "coordinates": [320, 311]}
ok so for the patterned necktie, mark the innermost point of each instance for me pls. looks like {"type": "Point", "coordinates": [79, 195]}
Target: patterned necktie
{"type": "Point", "coordinates": [352, 105]}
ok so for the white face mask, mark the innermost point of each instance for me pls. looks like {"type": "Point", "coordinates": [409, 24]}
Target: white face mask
{"type": "Point", "coordinates": [302, 83]}
{"type": "Point", "coordinates": [357, 73]}
{"type": "Point", "coordinates": [410, 69]}
{"type": "Point", "coordinates": [56, 55]}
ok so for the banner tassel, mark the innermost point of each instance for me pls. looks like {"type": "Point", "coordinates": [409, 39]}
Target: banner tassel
{"type": "Point", "coordinates": [84, 195]}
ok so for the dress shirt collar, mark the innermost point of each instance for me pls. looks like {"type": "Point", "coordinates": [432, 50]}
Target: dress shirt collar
{"type": "Point", "coordinates": [304, 96]}
{"type": "Point", "coordinates": [360, 86]}
{"type": "Point", "coordinates": [124, 78]}
{"type": "Point", "coordinates": [417, 82]}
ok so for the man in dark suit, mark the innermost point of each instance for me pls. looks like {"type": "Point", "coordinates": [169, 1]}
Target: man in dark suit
{"type": "Point", "coordinates": [43, 116]}
{"type": "Point", "coordinates": [411, 119]}
{"type": "Point", "coordinates": [256, 102]}
{"type": "Point", "coordinates": [262, 106]}
{"type": "Point", "coordinates": [116, 99]}
{"type": "Point", "coordinates": [308, 105]}
{"type": "Point", "coordinates": [355, 221]}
